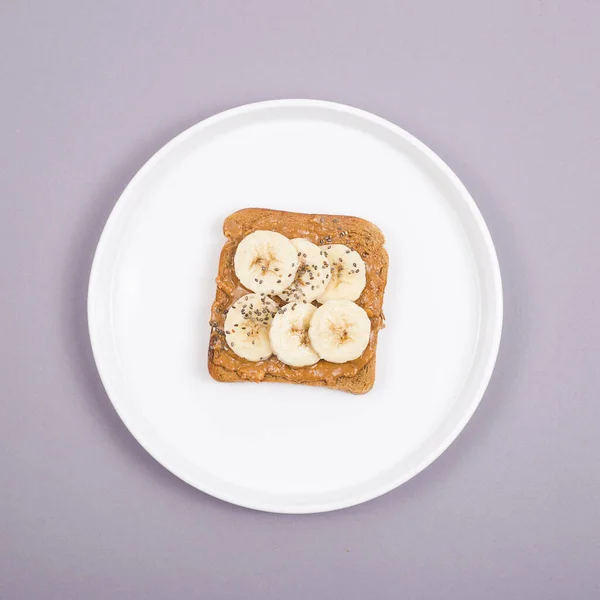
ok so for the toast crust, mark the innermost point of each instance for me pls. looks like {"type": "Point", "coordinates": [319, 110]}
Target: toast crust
{"type": "Point", "coordinates": [357, 376]}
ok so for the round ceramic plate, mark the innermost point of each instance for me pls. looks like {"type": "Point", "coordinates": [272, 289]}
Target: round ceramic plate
{"type": "Point", "coordinates": [278, 447]}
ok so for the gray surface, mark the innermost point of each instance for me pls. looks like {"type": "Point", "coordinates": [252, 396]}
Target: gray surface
{"type": "Point", "coordinates": [506, 92]}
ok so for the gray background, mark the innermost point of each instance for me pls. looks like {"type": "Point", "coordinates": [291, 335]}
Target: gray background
{"type": "Point", "coordinates": [507, 92]}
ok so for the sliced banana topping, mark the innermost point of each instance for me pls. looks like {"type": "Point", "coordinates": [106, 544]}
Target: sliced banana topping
{"type": "Point", "coordinates": [339, 331]}
{"type": "Point", "coordinates": [289, 335]}
{"type": "Point", "coordinates": [299, 272]}
{"type": "Point", "coordinates": [247, 326]}
{"type": "Point", "coordinates": [266, 261]}
{"type": "Point", "coordinates": [313, 273]}
{"type": "Point", "coordinates": [348, 274]}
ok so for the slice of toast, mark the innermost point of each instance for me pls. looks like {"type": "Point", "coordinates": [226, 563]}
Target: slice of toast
{"type": "Point", "coordinates": [356, 376]}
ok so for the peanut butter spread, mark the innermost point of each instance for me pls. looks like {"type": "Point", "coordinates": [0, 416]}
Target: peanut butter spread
{"type": "Point", "coordinates": [353, 232]}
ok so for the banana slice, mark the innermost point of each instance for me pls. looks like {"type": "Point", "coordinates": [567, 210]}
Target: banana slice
{"type": "Point", "coordinates": [348, 274]}
{"type": "Point", "coordinates": [247, 326]}
{"type": "Point", "coordinates": [312, 275]}
{"type": "Point", "coordinates": [339, 331]}
{"type": "Point", "coordinates": [266, 261]}
{"type": "Point", "coordinates": [289, 335]}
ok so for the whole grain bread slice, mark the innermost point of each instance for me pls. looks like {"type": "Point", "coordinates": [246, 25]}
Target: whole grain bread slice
{"type": "Point", "coordinates": [358, 234]}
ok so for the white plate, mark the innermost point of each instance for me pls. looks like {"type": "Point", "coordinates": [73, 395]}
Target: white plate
{"type": "Point", "coordinates": [278, 447]}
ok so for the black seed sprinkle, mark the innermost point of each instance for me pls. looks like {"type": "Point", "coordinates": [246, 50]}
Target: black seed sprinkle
{"type": "Point", "coordinates": [256, 280]}
{"type": "Point", "coordinates": [357, 270]}
{"type": "Point", "coordinates": [232, 344]}
{"type": "Point", "coordinates": [279, 281]}
{"type": "Point", "coordinates": [299, 253]}
{"type": "Point", "coordinates": [276, 269]}
{"type": "Point", "coordinates": [304, 301]}
{"type": "Point", "coordinates": [312, 287]}
{"type": "Point", "coordinates": [304, 255]}
{"type": "Point", "coordinates": [293, 265]}
{"type": "Point", "coordinates": [347, 251]}
{"type": "Point", "coordinates": [289, 275]}
{"type": "Point", "coordinates": [260, 281]}
{"type": "Point", "coordinates": [335, 220]}
{"type": "Point", "coordinates": [340, 260]}
{"type": "Point", "coordinates": [253, 342]}
{"type": "Point", "coordinates": [353, 264]}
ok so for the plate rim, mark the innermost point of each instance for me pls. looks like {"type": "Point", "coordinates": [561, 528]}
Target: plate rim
{"type": "Point", "coordinates": [495, 335]}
